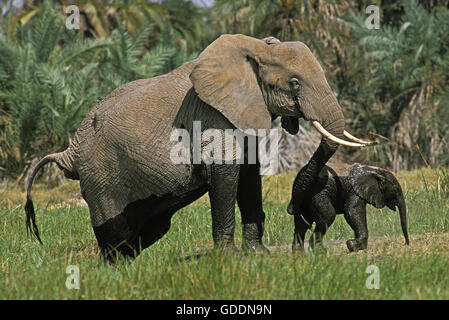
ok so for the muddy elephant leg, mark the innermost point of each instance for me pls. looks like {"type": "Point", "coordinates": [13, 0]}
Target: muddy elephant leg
{"type": "Point", "coordinates": [222, 194]}
{"type": "Point", "coordinates": [249, 199]}
{"type": "Point", "coordinates": [152, 230]}
{"type": "Point", "coordinates": [141, 224]}
{"type": "Point", "coordinates": [327, 214]}
{"type": "Point", "coordinates": [128, 233]}
{"type": "Point", "coordinates": [300, 232]}
{"type": "Point", "coordinates": [153, 217]}
{"type": "Point", "coordinates": [356, 218]}
{"type": "Point", "coordinates": [316, 239]}
{"type": "Point", "coordinates": [114, 239]}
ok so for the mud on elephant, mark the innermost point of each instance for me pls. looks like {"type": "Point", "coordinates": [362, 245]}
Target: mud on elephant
{"type": "Point", "coordinates": [121, 152]}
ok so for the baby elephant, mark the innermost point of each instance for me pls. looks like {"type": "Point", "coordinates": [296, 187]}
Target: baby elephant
{"type": "Point", "coordinates": [333, 194]}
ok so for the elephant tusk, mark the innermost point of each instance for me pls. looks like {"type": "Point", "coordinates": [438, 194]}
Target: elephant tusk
{"type": "Point", "coordinates": [329, 136]}
{"type": "Point", "coordinates": [352, 138]}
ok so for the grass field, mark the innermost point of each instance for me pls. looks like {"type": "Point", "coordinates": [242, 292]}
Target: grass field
{"type": "Point", "coordinates": [182, 265]}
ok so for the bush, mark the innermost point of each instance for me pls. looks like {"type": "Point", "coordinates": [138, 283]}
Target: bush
{"type": "Point", "coordinates": [50, 77]}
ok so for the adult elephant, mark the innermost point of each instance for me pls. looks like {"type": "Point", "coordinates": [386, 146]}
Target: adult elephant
{"type": "Point", "coordinates": [122, 151]}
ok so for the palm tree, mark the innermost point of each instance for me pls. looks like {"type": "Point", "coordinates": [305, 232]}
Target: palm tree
{"type": "Point", "coordinates": [407, 87]}
{"type": "Point", "coordinates": [44, 88]}
{"type": "Point", "coordinates": [51, 76]}
{"type": "Point", "coordinates": [317, 23]}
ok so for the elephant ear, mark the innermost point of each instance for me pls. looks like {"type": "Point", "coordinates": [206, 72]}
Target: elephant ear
{"type": "Point", "coordinates": [366, 182]}
{"type": "Point", "coordinates": [225, 78]}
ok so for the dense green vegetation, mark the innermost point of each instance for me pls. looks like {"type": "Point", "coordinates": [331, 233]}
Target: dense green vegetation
{"type": "Point", "coordinates": [50, 77]}
{"type": "Point", "coordinates": [182, 265]}
{"type": "Point", "coordinates": [392, 82]}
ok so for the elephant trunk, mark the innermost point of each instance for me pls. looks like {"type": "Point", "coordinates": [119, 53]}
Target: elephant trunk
{"type": "Point", "coordinates": [309, 173]}
{"type": "Point", "coordinates": [403, 216]}
{"type": "Point", "coordinates": [307, 176]}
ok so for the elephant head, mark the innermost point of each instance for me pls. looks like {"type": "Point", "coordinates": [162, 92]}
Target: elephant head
{"type": "Point", "coordinates": [379, 188]}
{"type": "Point", "coordinates": [252, 81]}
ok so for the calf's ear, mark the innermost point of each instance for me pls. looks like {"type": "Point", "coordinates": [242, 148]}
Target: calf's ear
{"type": "Point", "coordinates": [366, 181]}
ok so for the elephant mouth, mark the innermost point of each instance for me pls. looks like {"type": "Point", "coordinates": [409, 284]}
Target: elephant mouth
{"type": "Point", "coordinates": [297, 106]}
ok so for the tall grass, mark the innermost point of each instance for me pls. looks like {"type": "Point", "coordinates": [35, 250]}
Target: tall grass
{"type": "Point", "coordinates": [182, 265]}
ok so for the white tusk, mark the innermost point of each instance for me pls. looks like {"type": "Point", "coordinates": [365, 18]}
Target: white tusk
{"type": "Point", "coordinates": [329, 136]}
{"type": "Point", "coordinates": [351, 137]}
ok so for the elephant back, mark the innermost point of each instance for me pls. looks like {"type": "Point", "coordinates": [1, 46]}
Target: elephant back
{"type": "Point", "coordinates": [123, 145]}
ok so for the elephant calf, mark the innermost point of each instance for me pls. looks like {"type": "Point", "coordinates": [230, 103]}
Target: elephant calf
{"type": "Point", "coordinates": [332, 194]}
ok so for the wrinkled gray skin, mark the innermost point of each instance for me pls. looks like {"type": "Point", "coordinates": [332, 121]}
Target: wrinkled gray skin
{"type": "Point", "coordinates": [121, 152]}
{"type": "Point", "coordinates": [332, 194]}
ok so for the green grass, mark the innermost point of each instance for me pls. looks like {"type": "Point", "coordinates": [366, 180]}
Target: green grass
{"type": "Point", "coordinates": [182, 265]}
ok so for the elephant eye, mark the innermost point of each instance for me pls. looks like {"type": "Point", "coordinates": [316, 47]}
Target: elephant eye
{"type": "Point", "coordinates": [294, 83]}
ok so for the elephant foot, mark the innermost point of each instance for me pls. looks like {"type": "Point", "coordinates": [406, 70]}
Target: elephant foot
{"type": "Point", "coordinates": [254, 247]}
{"type": "Point", "coordinates": [252, 238]}
{"type": "Point", "coordinates": [355, 245]}
{"type": "Point", "coordinates": [225, 245]}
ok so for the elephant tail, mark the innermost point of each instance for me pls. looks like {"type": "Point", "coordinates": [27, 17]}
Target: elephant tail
{"type": "Point", "coordinates": [403, 215]}
{"type": "Point", "coordinates": [64, 162]}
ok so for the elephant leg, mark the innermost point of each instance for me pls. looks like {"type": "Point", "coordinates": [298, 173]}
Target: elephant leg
{"type": "Point", "coordinates": [356, 218]}
{"type": "Point", "coordinates": [300, 232]}
{"type": "Point", "coordinates": [141, 223]}
{"type": "Point", "coordinates": [153, 219]}
{"type": "Point", "coordinates": [114, 239]}
{"type": "Point", "coordinates": [153, 229]}
{"type": "Point", "coordinates": [114, 242]}
{"type": "Point", "coordinates": [122, 234]}
{"type": "Point", "coordinates": [249, 199]}
{"type": "Point", "coordinates": [222, 194]}
{"type": "Point", "coordinates": [131, 231]}
{"type": "Point", "coordinates": [316, 239]}
{"type": "Point", "coordinates": [326, 214]}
